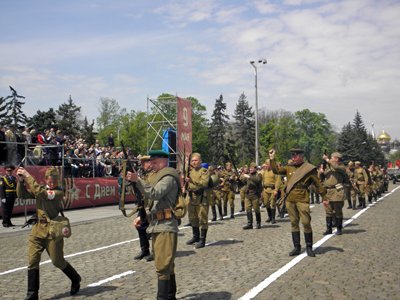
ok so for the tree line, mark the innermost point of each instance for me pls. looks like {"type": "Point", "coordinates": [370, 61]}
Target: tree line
{"type": "Point", "coordinates": [218, 139]}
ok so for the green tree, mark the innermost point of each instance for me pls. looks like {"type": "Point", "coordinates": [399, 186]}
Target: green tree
{"type": "Point", "coordinates": [43, 120]}
{"type": "Point", "coordinates": [68, 118]}
{"type": "Point", "coordinates": [13, 109]}
{"type": "Point", "coordinates": [87, 131]}
{"type": "Point", "coordinates": [244, 130]}
{"type": "Point", "coordinates": [217, 130]}
{"type": "Point", "coordinates": [110, 112]}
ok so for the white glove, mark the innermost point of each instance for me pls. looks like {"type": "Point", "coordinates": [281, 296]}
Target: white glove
{"type": "Point", "coordinates": [3, 200]}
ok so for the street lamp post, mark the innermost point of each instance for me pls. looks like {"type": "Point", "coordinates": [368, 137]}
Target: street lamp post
{"type": "Point", "coordinates": [253, 63]}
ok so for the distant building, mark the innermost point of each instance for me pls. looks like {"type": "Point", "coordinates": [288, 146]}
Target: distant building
{"type": "Point", "coordinates": [388, 146]}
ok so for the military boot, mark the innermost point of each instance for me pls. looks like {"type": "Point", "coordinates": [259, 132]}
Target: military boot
{"type": "Point", "coordinates": [172, 288]}
{"type": "Point", "coordinates": [273, 212]}
{"type": "Point", "coordinates": [363, 204]}
{"type": "Point", "coordinates": [339, 226]}
{"type": "Point", "coordinates": [334, 221]}
{"type": "Point", "coordinates": [225, 210]}
{"type": "Point", "coordinates": [232, 212]}
{"type": "Point", "coordinates": [360, 202]}
{"type": "Point", "coordinates": [370, 198]}
{"type": "Point", "coordinates": [144, 245]}
{"type": "Point", "coordinates": [162, 289]}
{"type": "Point", "coordinates": [268, 215]}
{"type": "Point", "coordinates": [308, 236]}
{"type": "Point", "coordinates": [214, 213]}
{"type": "Point", "coordinates": [241, 206]}
{"type": "Point", "coordinates": [258, 220]}
{"type": "Point", "coordinates": [75, 279]}
{"type": "Point", "coordinates": [202, 242]}
{"type": "Point", "coordinates": [221, 216]}
{"type": "Point", "coordinates": [296, 244]}
{"type": "Point", "coordinates": [33, 285]}
{"type": "Point", "coordinates": [349, 202]}
{"type": "Point", "coordinates": [328, 226]}
{"type": "Point", "coordinates": [354, 204]}
{"type": "Point", "coordinates": [196, 236]}
{"type": "Point", "coordinates": [249, 221]}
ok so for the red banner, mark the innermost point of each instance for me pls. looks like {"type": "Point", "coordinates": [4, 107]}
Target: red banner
{"type": "Point", "coordinates": [184, 128]}
{"type": "Point", "coordinates": [79, 192]}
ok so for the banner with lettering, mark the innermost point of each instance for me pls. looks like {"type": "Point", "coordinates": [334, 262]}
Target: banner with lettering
{"type": "Point", "coordinates": [184, 126]}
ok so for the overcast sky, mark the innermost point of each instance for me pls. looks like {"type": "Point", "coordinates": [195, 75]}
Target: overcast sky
{"type": "Point", "coordinates": [334, 57]}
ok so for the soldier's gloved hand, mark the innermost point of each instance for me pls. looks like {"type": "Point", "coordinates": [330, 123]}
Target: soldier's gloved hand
{"type": "Point", "coordinates": [3, 200]}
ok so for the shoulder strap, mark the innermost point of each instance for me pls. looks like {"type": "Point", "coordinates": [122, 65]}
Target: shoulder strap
{"type": "Point", "coordinates": [300, 173]}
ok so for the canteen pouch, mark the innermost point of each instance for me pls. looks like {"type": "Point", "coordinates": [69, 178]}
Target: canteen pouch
{"type": "Point", "coordinates": [59, 228]}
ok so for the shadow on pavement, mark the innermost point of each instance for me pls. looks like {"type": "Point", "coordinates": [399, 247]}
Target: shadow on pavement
{"type": "Point", "coordinates": [208, 295]}
{"type": "Point", "coordinates": [224, 242]}
{"type": "Point", "coordinates": [353, 231]}
{"type": "Point", "coordinates": [270, 226]}
{"type": "Point", "coordinates": [351, 225]}
{"type": "Point", "coordinates": [322, 250]}
{"type": "Point", "coordinates": [88, 291]}
{"type": "Point", "coordinates": [184, 253]}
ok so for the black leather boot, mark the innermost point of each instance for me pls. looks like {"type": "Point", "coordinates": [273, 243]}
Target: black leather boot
{"type": "Point", "coordinates": [232, 212]}
{"type": "Point", "coordinates": [221, 216]}
{"type": "Point", "coordinates": [75, 279]}
{"type": "Point", "coordinates": [363, 205]}
{"type": "Point", "coordinates": [354, 204]}
{"type": "Point", "coordinates": [196, 236]}
{"type": "Point", "coordinates": [163, 289]}
{"type": "Point", "coordinates": [241, 206]}
{"type": "Point", "coordinates": [333, 221]}
{"type": "Point", "coordinates": [296, 244]}
{"type": "Point", "coordinates": [249, 221]}
{"type": "Point", "coordinates": [309, 242]}
{"type": "Point", "coordinates": [268, 215]}
{"type": "Point", "coordinates": [349, 202]}
{"type": "Point", "coordinates": [273, 212]}
{"type": "Point", "coordinates": [258, 220]}
{"type": "Point", "coordinates": [33, 285]}
{"type": "Point", "coordinates": [225, 210]}
{"type": "Point", "coordinates": [328, 226]}
{"type": "Point", "coordinates": [172, 288]}
{"type": "Point", "coordinates": [214, 213]}
{"type": "Point", "coordinates": [202, 242]}
{"type": "Point", "coordinates": [339, 226]}
{"type": "Point", "coordinates": [144, 245]}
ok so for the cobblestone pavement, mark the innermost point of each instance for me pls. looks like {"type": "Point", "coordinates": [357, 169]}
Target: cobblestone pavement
{"type": "Point", "coordinates": [361, 264]}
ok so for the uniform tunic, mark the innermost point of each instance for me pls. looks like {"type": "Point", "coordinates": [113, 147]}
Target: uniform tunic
{"type": "Point", "coordinates": [198, 200]}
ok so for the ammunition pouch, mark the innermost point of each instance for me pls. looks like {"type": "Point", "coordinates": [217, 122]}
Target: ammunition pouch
{"type": "Point", "coordinates": [161, 215]}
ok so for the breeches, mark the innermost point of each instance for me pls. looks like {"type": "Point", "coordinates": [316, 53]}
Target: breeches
{"type": "Point", "coordinates": [299, 212]}
{"type": "Point", "coordinates": [334, 208]}
{"type": "Point", "coordinates": [164, 247]}
{"type": "Point", "coordinates": [269, 199]}
{"type": "Point", "coordinates": [54, 249]}
{"type": "Point", "coordinates": [228, 196]}
{"type": "Point", "coordinates": [198, 215]}
{"type": "Point", "coordinates": [252, 203]}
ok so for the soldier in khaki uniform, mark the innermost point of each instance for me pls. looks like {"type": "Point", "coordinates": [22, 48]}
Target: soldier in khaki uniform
{"type": "Point", "coordinates": [242, 190]}
{"type": "Point", "coordinates": [212, 195]}
{"type": "Point", "coordinates": [271, 185]}
{"type": "Point", "coordinates": [253, 193]}
{"type": "Point", "coordinates": [335, 179]}
{"type": "Point", "coordinates": [227, 193]}
{"type": "Point", "coordinates": [300, 175]}
{"type": "Point", "coordinates": [48, 206]}
{"type": "Point", "coordinates": [352, 191]}
{"type": "Point", "coordinates": [361, 179]}
{"type": "Point", "coordinates": [162, 193]}
{"type": "Point", "coordinates": [197, 185]}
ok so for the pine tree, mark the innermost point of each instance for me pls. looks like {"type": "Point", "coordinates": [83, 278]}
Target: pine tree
{"type": "Point", "coordinates": [13, 107]}
{"type": "Point", "coordinates": [217, 130]}
{"type": "Point", "coordinates": [68, 115]}
{"type": "Point", "coordinates": [244, 130]}
{"type": "Point", "coordinates": [87, 131]}
{"type": "Point", "coordinates": [344, 141]}
{"type": "Point", "coordinates": [43, 120]}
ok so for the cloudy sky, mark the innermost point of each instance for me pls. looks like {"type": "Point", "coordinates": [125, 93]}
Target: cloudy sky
{"type": "Point", "coordinates": [334, 57]}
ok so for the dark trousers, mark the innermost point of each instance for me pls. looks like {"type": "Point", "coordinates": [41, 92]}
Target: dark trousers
{"type": "Point", "coordinates": [8, 208]}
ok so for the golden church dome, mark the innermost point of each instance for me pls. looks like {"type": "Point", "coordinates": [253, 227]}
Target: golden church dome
{"type": "Point", "coordinates": [384, 137]}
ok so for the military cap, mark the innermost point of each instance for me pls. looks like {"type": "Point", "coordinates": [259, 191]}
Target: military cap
{"type": "Point", "coordinates": [357, 162]}
{"type": "Point", "coordinates": [158, 154]}
{"type": "Point", "coordinates": [144, 157]}
{"type": "Point", "coordinates": [52, 172]}
{"type": "Point", "coordinates": [253, 165]}
{"type": "Point", "coordinates": [228, 164]}
{"type": "Point", "coordinates": [336, 154]}
{"type": "Point", "coordinates": [12, 167]}
{"type": "Point", "coordinates": [267, 161]}
{"type": "Point", "coordinates": [245, 166]}
{"type": "Point", "coordinates": [350, 163]}
{"type": "Point", "coordinates": [296, 151]}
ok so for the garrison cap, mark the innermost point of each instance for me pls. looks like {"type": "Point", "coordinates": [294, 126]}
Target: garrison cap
{"type": "Point", "coordinates": [296, 151]}
{"type": "Point", "coordinates": [336, 154]}
{"type": "Point", "coordinates": [52, 172]}
{"type": "Point", "coordinates": [228, 164]}
{"type": "Point", "coordinates": [350, 163]}
{"type": "Point", "coordinates": [267, 161]}
{"type": "Point", "coordinates": [144, 157]}
{"type": "Point", "coordinates": [158, 154]}
{"type": "Point", "coordinates": [357, 162]}
{"type": "Point", "coordinates": [253, 165]}
{"type": "Point", "coordinates": [245, 166]}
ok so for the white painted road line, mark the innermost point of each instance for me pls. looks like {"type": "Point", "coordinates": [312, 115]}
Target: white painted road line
{"type": "Point", "coordinates": [111, 278]}
{"type": "Point", "coordinates": [274, 276]}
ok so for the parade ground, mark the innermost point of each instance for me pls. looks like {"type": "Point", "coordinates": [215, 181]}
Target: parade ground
{"type": "Point", "coordinates": [362, 263]}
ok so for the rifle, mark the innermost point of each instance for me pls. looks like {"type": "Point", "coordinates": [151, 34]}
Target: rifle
{"type": "Point", "coordinates": [187, 173]}
{"type": "Point", "coordinates": [31, 221]}
{"type": "Point", "coordinates": [127, 165]}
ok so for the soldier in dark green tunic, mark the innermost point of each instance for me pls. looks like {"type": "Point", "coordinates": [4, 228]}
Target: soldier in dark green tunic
{"type": "Point", "coordinates": [300, 175]}
{"type": "Point", "coordinates": [48, 206]}
{"type": "Point", "coordinates": [253, 193]}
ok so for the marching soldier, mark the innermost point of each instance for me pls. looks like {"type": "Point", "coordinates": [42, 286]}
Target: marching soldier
{"type": "Point", "coordinates": [227, 193]}
{"type": "Point", "coordinates": [352, 192]}
{"type": "Point", "coordinates": [162, 193]}
{"type": "Point", "coordinates": [198, 202]}
{"type": "Point", "coordinates": [271, 184]}
{"type": "Point", "coordinates": [335, 179]}
{"type": "Point", "coordinates": [48, 206]}
{"type": "Point", "coordinates": [361, 179]}
{"type": "Point", "coordinates": [300, 175]}
{"type": "Point", "coordinates": [252, 200]}
{"type": "Point", "coordinates": [212, 195]}
{"type": "Point", "coordinates": [8, 184]}
{"type": "Point", "coordinates": [242, 190]}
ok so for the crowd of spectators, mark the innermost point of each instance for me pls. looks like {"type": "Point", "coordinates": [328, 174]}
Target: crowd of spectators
{"type": "Point", "coordinates": [52, 147]}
